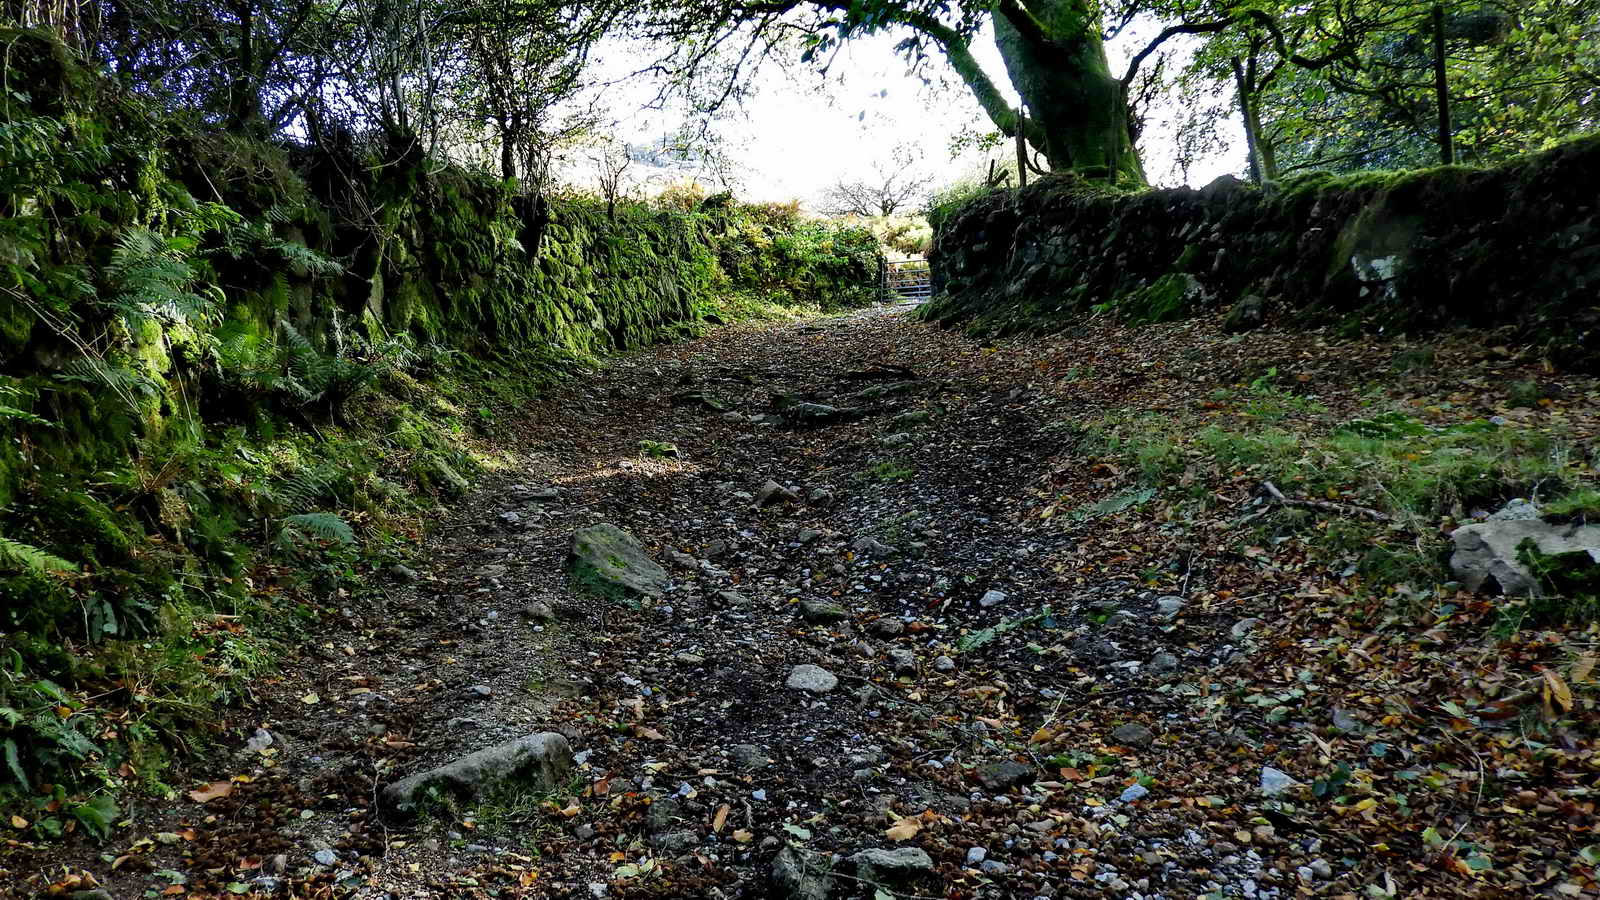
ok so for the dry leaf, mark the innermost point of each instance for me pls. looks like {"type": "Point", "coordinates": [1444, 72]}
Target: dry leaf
{"type": "Point", "coordinates": [1583, 668]}
{"type": "Point", "coordinates": [648, 733]}
{"type": "Point", "coordinates": [19, 822]}
{"type": "Point", "coordinates": [1556, 690]}
{"type": "Point", "coordinates": [211, 791]}
{"type": "Point", "coordinates": [743, 836]}
{"type": "Point", "coordinates": [905, 829]}
{"type": "Point", "coordinates": [720, 819]}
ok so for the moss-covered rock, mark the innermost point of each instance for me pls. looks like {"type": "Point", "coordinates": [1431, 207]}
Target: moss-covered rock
{"type": "Point", "coordinates": [611, 563]}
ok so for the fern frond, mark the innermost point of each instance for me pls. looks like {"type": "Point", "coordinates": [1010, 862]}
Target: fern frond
{"type": "Point", "coordinates": [16, 556]}
{"type": "Point", "coordinates": [325, 525]}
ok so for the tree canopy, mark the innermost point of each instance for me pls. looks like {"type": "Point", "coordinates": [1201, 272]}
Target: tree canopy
{"type": "Point", "coordinates": [1317, 83]}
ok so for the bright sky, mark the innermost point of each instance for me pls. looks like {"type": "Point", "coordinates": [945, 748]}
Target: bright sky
{"type": "Point", "coordinates": [803, 131]}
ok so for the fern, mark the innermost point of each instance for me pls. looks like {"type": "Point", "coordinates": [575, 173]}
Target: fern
{"type": "Point", "coordinates": [127, 384]}
{"type": "Point", "coordinates": [308, 488]}
{"type": "Point", "coordinates": [16, 556]}
{"type": "Point", "coordinates": [152, 278]}
{"type": "Point", "coordinates": [324, 525]}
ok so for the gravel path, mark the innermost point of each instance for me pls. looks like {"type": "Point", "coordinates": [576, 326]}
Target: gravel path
{"type": "Point", "coordinates": [875, 657]}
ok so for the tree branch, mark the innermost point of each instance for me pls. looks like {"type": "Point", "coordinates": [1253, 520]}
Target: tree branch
{"type": "Point", "coordinates": [1167, 34]}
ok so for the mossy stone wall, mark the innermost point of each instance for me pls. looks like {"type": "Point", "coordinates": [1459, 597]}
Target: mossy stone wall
{"type": "Point", "coordinates": [1514, 248]}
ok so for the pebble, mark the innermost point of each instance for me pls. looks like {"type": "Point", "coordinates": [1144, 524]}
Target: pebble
{"type": "Point", "coordinates": [1133, 734]}
{"type": "Point", "coordinates": [976, 855]}
{"type": "Point", "coordinates": [259, 741]}
{"type": "Point", "coordinates": [992, 598]}
{"type": "Point", "coordinates": [944, 664]}
{"type": "Point", "coordinates": [325, 857]}
{"type": "Point", "coordinates": [1134, 792]}
{"type": "Point", "coordinates": [812, 679]}
{"type": "Point", "coordinates": [480, 691]}
{"type": "Point", "coordinates": [1275, 781]}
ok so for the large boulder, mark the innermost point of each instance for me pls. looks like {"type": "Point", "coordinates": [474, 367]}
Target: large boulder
{"type": "Point", "coordinates": [1487, 552]}
{"type": "Point", "coordinates": [611, 562]}
{"type": "Point", "coordinates": [539, 762]}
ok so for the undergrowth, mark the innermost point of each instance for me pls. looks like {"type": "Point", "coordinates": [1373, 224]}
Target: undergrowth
{"type": "Point", "coordinates": [1372, 498]}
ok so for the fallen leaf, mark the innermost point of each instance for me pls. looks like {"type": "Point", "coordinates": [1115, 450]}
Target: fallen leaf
{"type": "Point", "coordinates": [1556, 690]}
{"type": "Point", "coordinates": [19, 822]}
{"type": "Point", "coordinates": [311, 699]}
{"type": "Point", "coordinates": [1583, 668]}
{"type": "Point", "coordinates": [720, 819]}
{"type": "Point", "coordinates": [743, 836]}
{"type": "Point", "coordinates": [905, 829]}
{"type": "Point", "coordinates": [212, 791]}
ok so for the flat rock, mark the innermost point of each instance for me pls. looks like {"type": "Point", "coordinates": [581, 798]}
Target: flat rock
{"type": "Point", "coordinates": [749, 757]}
{"type": "Point", "coordinates": [773, 493]}
{"type": "Point", "coordinates": [1275, 781]}
{"type": "Point", "coordinates": [812, 679]}
{"type": "Point", "coordinates": [1003, 775]}
{"type": "Point", "coordinates": [822, 612]}
{"type": "Point", "coordinates": [891, 865]}
{"type": "Point", "coordinates": [797, 876]}
{"type": "Point", "coordinates": [992, 598]}
{"type": "Point", "coordinates": [613, 563]}
{"type": "Point", "coordinates": [1132, 734]}
{"type": "Point", "coordinates": [1487, 552]}
{"type": "Point", "coordinates": [540, 761]}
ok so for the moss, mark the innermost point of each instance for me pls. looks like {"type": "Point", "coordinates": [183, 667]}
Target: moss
{"type": "Point", "coordinates": [1163, 300]}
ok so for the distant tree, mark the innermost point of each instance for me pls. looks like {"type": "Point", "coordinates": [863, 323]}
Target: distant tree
{"type": "Point", "coordinates": [893, 186]}
{"type": "Point", "coordinates": [611, 161]}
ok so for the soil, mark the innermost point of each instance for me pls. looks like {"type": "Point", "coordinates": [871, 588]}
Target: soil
{"type": "Point", "coordinates": [1138, 770]}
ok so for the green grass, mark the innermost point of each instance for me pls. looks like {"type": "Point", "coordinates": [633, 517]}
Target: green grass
{"type": "Point", "coordinates": [1418, 477]}
{"type": "Point", "coordinates": [890, 470]}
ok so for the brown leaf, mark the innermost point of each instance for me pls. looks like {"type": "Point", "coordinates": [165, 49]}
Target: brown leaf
{"type": "Point", "coordinates": [720, 819]}
{"type": "Point", "coordinates": [905, 829]}
{"type": "Point", "coordinates": [1556, 690]}
{"type": "Point", "coordinates": [212, 791]}
{"type": "Point", "coordinates": [648, 733]}
{"type": "Point", "coordinates": [1583, 668]}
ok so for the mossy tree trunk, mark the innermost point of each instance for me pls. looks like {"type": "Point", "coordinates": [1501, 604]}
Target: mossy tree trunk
{"type": "Point", "coordinates": [1053, 52]}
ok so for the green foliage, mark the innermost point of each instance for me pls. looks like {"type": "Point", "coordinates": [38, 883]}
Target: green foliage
{"type": "Point", "coordinates": [1571, 586]}
{"type": "Point", "coordinates": [19, 557]}
{"type": "Point", "coordinates": [891, 470]}
{"type": "Point", "coordinates": [197, 392]}
{"type": "Point", "coordinates": [296, 531]}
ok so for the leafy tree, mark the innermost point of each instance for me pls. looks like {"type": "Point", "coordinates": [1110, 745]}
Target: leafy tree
{"type": "Point", "coordinates": [1053, 51]}
{"type": "Point", "coordinates": [1351, 84]}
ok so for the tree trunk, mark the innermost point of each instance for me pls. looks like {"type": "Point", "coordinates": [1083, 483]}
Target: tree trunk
{"type": "Point", "coordinates": [1056, 60]}
{"type": "Point", "coordinates": [1441, 88]}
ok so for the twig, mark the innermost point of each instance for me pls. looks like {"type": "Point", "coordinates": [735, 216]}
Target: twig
{"type": "Point", "coordinates": [1325, 505]}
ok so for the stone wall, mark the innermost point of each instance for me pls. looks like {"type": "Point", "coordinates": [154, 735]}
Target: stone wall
{"type": "Point", "coordinates": [1514, 250]}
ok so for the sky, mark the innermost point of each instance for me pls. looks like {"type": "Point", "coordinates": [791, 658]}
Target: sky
{"type": "Point", "coordinates": [802, 130]}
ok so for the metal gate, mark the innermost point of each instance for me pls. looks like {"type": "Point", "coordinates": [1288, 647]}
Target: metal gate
{"type": "Point", "coordinates": [905, 280]}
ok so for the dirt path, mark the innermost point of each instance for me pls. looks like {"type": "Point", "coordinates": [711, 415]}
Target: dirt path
{"type": "Point", "coordinates": [1023, 698]}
